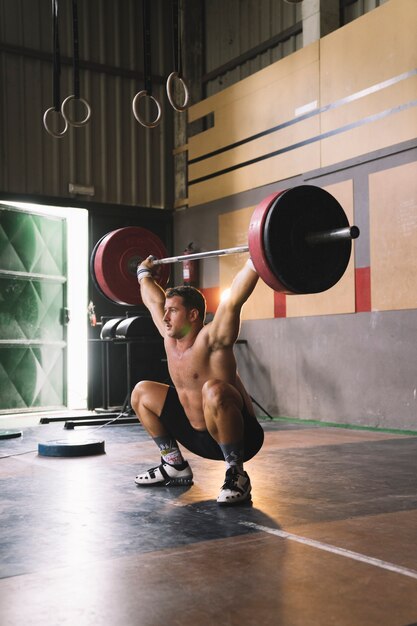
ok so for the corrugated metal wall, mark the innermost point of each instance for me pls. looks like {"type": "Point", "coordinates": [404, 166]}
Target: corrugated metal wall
{"type": "Point", "coordinates": [236, 26]}
{"type": "Point", "coordinates": [126, 163]}
{"type": "Point", "coordinates": [352, 9]}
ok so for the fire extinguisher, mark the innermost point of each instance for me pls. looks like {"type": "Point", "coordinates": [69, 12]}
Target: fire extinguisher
{"type": "Point", "coordinates": [190, 268]}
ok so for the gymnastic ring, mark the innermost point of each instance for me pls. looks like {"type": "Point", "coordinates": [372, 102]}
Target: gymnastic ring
{"type": "Point", "coordinates": [49, 130]}
{"type": "Point", "coordinates": [142, 94]}
{"type": "Point", "coordinates": [67, 117]}
{"type": "Point", "coordinates": [170, 81]}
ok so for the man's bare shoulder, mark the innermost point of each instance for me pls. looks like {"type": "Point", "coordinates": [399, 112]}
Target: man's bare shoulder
{"type": "Point", "coordinates": [214, 339]}
{"type": "Point", "coordinates": [203, 335]}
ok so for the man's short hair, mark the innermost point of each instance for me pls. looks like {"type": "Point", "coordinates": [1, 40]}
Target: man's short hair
{"type": "Point", "coordinates": [192, 298]}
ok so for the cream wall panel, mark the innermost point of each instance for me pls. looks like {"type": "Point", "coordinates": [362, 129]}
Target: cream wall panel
{"type": "Point", "coordinates": [262, 101]}
{"type": "Point", "coordinates": [264, 107]}
{"type": "Point", "coordinates": [233, 231]}
{"type": "Point", "coordinates": [378, 52]}
{"type": "Point", "coordinates": [383, 99]}
{"type": "Point", "coordinates": [393, 237]}
{"type": "Point", "coordinates": [265, 172]}
{"type": "Point", "coordinates": [341, 297]}
{"type": "Point", "coordinates": [347, 64]}
{"type": "Point", "coordinates": [265, 145]}
{"type": "Point", "coordinates": [373, 48]}
{"type": "Point", "coordinates": [385, 132]}
{"type": "Point", "coordinates": [278, 71]}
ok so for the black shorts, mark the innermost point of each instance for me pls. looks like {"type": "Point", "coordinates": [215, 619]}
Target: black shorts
{"type": "Point", "coordinates": [200, 442]}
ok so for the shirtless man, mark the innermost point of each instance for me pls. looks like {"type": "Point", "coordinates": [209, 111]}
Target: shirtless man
{"type": "Point", "coordinates": [208, 410]}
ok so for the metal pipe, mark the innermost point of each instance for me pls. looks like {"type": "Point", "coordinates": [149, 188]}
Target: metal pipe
{"type": "Point", "coordinates": [336, 234]}
{"type": "Point", "coordinates": [201, 255]}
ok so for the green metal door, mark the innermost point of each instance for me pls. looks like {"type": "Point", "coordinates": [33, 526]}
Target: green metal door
{"type": "Point", "coordinates": [32, 311]}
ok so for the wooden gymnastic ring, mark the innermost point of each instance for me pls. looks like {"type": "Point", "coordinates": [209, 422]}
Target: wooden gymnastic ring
{"type": "Point", "coordinates": [57, 135]}
{"type": "Point", "coordinates": [135, 109]}
{"type": "Point", "coordinates": [65, 115]}
{"type": "Point", "coordinates": [169, 88]}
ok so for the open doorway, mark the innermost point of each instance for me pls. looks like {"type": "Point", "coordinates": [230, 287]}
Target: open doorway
{"type": "Point", "coordinates": [76, 263]}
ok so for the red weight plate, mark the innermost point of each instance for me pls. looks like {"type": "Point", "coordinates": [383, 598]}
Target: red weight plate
{"type": "Point", "coordinates": [116, 258]}
{"type": "Point", "coordinates": [256, 243]}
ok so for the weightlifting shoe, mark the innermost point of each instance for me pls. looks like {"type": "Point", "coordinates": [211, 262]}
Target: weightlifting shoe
{"type": "Point", "coordinates": [236, 488]}
{"type": "Point", "coordinates": [168, 475]}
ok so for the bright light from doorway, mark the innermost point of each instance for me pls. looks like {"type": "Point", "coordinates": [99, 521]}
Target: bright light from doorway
{"type": "Point", "coordinates": [77, 296]}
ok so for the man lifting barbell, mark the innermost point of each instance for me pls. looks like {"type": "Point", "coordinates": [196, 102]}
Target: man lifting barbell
{"type": "Point", "coordinates": [208, 410]}
{"type": "Point", "coordinates": [300, 242]}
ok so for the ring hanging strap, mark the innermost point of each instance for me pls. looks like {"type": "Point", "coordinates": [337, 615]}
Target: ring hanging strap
{"type": "Point", "coordinates": [56, 77]}
{"type": "Point", "coordinates": [176, 38]}
{"type": "Point", "coordinates": [147, 71]}
{"type": "Point", "coordinates": [57, 57]}
{"type": "Point", "coordinates": [177, 54]}
{"type": "Point", "coordinates": [147, 67]}
{"type": "Point", "coordinates": [76, 76]}
{"type": "Point", "coordinates": [75, 60]}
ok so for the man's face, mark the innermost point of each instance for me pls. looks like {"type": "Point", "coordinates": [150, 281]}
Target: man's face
{"type": "Point", "coordinates": [177, 318]}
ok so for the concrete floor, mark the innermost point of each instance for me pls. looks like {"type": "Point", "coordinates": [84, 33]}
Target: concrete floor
{"type": "Point", "coordinates": [331, 537]}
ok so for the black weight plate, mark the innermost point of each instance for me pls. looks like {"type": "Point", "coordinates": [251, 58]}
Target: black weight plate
{"type": "Point", "coordinates": [68, 448]}
{"type": "Point", "coordinates": [302, 267]}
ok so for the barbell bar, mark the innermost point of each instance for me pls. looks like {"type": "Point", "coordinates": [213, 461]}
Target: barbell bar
{"type": "Point", "coordinates": [299, 240]}
{"type": "Point", "coordinates": [201, 255]}
{"type": "Point", "coordinates": [323, 237]}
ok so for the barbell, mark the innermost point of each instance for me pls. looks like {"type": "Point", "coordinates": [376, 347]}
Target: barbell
{"type": "Point", "coordinates": [299, 239]}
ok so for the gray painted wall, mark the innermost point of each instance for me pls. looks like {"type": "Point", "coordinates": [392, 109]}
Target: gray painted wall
{"type": "Point", "coordinates": [354, 369]}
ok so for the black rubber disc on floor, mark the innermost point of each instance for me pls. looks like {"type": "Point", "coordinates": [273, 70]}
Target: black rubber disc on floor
{"type": "Point", "coordinates": [66, 448]}
{"type": "Point", "coordinates": [10, 434]}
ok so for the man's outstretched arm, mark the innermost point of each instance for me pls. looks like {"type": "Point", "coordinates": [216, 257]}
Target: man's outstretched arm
{"type": "Point", "coordinates": [224, 329]}
{"type": "Point", "coordinates": [153, 296]}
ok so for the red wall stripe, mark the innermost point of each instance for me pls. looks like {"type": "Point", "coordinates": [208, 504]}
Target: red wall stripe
{"type": "Point", "coordinates": [363, 289]}
{"type": "Point", "coordinates": [362, 295]}
{"type": "Point", "coordinates": [280, 304]}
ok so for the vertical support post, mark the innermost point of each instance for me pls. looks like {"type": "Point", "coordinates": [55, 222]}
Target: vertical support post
{"type": "Point", "coordinates": [320, 17]}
